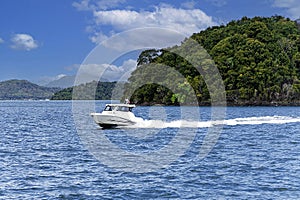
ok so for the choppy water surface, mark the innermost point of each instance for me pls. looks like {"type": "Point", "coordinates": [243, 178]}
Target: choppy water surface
{"type": "Point", "coordinates": [43, 154]}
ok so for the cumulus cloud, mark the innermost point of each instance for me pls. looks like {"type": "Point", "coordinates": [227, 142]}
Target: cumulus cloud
{"type": "Point", "coordinates": [142, 38]}
{"type": "Point", "coordinates": [107, 72]}
{"type": "Point", "coordinates": [47, 79]}
{"type": "Point", "coordinates": [185, 20]}
{"type": "Point", "coordinates": [121, 73]}
{"type": "Point", "coordinates": [98, 37]}
{"type": "Point", "coordinates": [53, 78]}
{"type": "Point", "coordinates": [292, 7]}
{"type": "Point", "coordinates": [83, 5]}
{"type": "Point", "coordinates": [59, 76]}
{"type": "Point", "coordinates": [23, 42]}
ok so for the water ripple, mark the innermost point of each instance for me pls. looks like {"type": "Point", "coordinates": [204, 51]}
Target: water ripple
{"type": "Point", "coordinates": [42, 157]}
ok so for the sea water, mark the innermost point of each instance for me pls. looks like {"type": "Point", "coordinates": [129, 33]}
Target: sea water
{"type": "Point", "coordinates": [48, 151]}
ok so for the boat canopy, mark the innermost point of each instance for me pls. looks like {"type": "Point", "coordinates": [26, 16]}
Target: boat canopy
{"type": "Point", "coordinates": [125, 105]}
{"type": "Point", "coordinates": [119, 107]}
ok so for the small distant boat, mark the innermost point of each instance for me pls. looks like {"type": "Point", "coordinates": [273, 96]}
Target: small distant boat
{"type": "Point", "coordinates": [115, 115]}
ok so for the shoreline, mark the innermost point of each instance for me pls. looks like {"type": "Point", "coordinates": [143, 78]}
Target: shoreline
{"type": "Point", "coordinates": [230, 104]}
{"type": "Point", "coordinates": [201, 104]}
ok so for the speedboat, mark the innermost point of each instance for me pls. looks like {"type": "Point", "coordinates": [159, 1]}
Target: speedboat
{"type": "Point", "coordinates": [115, 115]}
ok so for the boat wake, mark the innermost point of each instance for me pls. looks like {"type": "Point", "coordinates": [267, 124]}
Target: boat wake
{"type": "Point", "coordinates": [141, 123]}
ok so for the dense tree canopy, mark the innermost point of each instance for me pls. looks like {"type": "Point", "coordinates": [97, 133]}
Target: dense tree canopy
{"type": "Point", "coordinates": [258, 59]}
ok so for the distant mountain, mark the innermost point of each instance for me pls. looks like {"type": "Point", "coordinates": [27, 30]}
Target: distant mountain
{"type": "Point", "coordinates": [64, 82]}
{"type": "Point", "coordinates": [69, 81]}
{"type": "Point", "coordinates": [23, 89]}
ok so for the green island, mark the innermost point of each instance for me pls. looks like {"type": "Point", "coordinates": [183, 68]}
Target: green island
{"type": "Point", "coordinates": [258, 60]}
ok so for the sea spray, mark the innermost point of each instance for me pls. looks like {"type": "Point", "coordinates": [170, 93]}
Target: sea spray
{"type": "Point", "coordinates": [141, 123]}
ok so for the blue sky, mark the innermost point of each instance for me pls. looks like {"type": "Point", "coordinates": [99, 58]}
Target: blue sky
{"type": "Point", "coordinates": [44, 40]}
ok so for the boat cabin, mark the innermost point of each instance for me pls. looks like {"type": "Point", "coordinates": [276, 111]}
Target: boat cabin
{"type": "Point", "coordinates": [119, 107]}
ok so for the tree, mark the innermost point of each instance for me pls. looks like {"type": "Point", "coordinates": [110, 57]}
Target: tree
{"type": "Point", "coordinates": [258, 59]}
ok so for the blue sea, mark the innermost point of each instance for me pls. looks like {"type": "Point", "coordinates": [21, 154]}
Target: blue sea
{"type": "Point", "coordinates": [54, 150]}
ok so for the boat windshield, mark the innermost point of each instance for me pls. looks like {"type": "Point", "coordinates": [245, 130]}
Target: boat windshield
{"type": "Point", "coordinates": [118, 108]}
{"type": "Point", "coordinates": [108, 108]}
{"type": "Point", "coordinates": [124, 109]}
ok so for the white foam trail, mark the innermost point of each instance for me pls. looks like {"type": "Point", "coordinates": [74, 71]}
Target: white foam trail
{"type": "Point", "coordinates": [205, 124]}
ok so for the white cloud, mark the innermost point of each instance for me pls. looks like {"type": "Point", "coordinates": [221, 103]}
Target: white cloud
{"type": "Point", "coordinates": [292, 7]}
{"type": "Point", "coordinates": [122, 73]}
{"type": "Point", "coordinates": [1, 40]}
{"type": "Point", "coordinates": [142, 38]}
{"type": "Point", "coordinates": [59, 76]}
{"type": "Point", "coordinates": [47, 79]}
{"type": "Point", "coordinates": [186, 20]}
{"type": "Point", "coordinates": [83, 5]}
{"type": "Point", "coordinates": [98, 37]}
{"type": "Point", "coordinates": [108, 72]}
{"type": "Point", "coordinates": [23, 42]}
{"type": "Point", "coordinates": [181, 20]}
{"type": "Point", "coordinates": [118, 18]}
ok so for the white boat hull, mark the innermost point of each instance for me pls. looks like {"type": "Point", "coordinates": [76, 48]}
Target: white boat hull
{"type": "Point", "coordinates": [111, 121]}
{"type": "Point", "coordinates": [115, 115]}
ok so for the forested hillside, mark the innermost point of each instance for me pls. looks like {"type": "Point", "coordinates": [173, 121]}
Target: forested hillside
{"type": "Point", "coordinates": [258, 59]}
{"type": "Point", "coordinates": [22, 89]}
{"type": "Point", "coordinates": [88, 91]}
